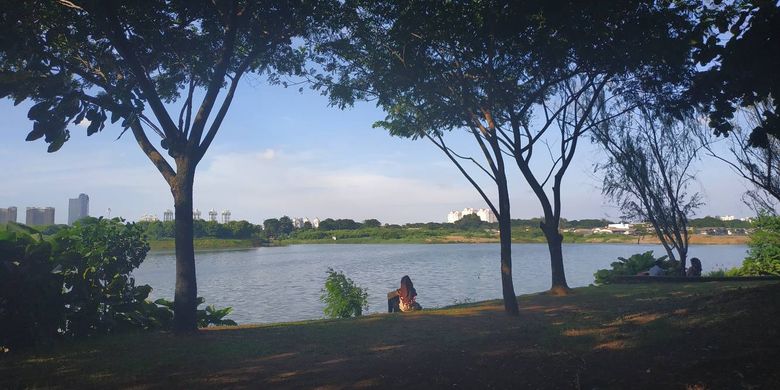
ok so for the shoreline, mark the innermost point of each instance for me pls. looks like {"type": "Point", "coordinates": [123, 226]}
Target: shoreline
{"type": "Point", "coordinates": [218, 244]}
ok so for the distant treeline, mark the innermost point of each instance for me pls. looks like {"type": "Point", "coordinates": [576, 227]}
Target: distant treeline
{"type": "Point", "coordinates": [281, 228]}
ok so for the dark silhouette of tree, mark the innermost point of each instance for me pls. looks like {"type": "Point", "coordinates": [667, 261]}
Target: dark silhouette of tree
{"type": "Point", "coordinates": [648, 172]}
{"type": "Point", "coordinates": [372, 223]}
{"type": "Point", "coordinates": [521, 79]}
{"type": "Point", "coordinates": [130, 62]}
{"type": "Point", "coordinates": [469, 222]}
{"type": "Point", "coordinates": [272, 227]}
{"type": "Point", "coordinates": [286, 226]}
{"type": "Point", "coordinates": [740, 53]}
{"type": "Point", "coordinates": [759, 165]}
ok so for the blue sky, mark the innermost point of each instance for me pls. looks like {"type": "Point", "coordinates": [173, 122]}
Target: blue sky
{"type": "Point", "coordinates": [281, 152]}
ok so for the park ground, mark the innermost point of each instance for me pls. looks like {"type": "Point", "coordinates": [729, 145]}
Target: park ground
{"type": "Point", "coordinates": [715, 335]}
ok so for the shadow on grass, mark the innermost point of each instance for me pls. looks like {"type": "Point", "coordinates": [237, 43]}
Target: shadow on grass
{"type": "Point", "coordinates": [607, 337]}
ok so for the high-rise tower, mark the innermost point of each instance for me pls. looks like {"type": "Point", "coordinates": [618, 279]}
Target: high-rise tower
{"type": "Point", "coordinates": [78, 208]}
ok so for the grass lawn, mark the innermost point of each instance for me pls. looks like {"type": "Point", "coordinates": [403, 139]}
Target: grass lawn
{"type": "Point", "coordinates": [698, 335]}
{"type": "Point", "coordinates": [203, 244]}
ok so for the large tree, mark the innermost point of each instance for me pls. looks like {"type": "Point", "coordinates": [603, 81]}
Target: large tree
{"type": "Point", "coordinates": [131, 61]}
{"type": "Point", "coordinates": [649, 172]}
{"type": "Point", "coordinates": [522, 79]}
{"type": "Point", "coordinates": [738, 86]}
{"type": "Point", "coordinates": [759, 165]}
{"type": "Point", "coordinates": [739, 53]}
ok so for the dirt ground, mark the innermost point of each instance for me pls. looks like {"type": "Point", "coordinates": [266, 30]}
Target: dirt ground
{"type": "Point", "coordinates": [685, 336]}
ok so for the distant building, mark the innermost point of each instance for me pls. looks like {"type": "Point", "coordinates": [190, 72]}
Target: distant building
{"type": "Point", "coordinates": [196, 215]}
{"type": "Point", "coordinates": [485, 215]}
{"type": "Point", "coordinates": [213, 215]}
{"type": "Point", "coordinates": [727, 218]}
{"type": "Point", "coordinates": [148, 218]}
{"type": "Point", "coordinates": [616, 228]}
{"type": "Point", "coordinates": [78, 208]}
{"type": "Point", "coordinates": [315, 223]}
{"type": "Point", "coordinates": [297, 222]}
{"type": "Point", "coordinates": [39, 216]}
{"type": "Point", "coordinates": [226, 216]}
{"type": "Point", "coordinates": [168, 216]}
{"type": "Point", "coordinates": [8, 215]}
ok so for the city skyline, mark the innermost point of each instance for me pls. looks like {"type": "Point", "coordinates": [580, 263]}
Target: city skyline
{"type": "Point", "coordinates": [328, 162]}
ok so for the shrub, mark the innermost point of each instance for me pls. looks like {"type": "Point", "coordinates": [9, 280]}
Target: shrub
{"type": "Point", "coordinates": [97, 257]}
{"type": "Point", "coordinates": [79, 284]}
{"type": "Point", "coordinates": [764, 253]}
{"type": "Point", "coordinates": [633, 265]}
{"type": "Point", "coordinates": [723, 272]}
{"type": "Point", "coordinates": [205, 317]}
{"type": "Point", "coordinates": [342, 298]}
{"type": "Point", "coordinates": [31, 307]}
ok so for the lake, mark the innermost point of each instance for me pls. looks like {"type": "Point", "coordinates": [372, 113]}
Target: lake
{"type": "Point", "coordinates": [284, 283]}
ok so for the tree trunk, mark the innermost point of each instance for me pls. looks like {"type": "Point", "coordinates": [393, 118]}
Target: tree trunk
{"type": "Point", "coordinates": [683, 260]}
{"type": "Point", "coordinates": [185, 299]}
{"type": "Point", "coordinates": [508, 289]}
{"type": "Point", "coordinates": [554, 245]}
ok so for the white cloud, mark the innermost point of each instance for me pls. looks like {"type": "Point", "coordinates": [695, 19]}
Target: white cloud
{"type": "Point", "coordinates": [255, 187]}
{"type": "Point", "coordinates": [268, 154]}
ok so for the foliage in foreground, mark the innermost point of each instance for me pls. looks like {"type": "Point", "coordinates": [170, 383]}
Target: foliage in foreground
{"type": "Point", "coordinates": [633, 265]}
{"type": "Point", "coordinates": [79, 284]}
{"type": "Point", "coordinates": [342, 297]}
{"type": "Point", "coordinates": [764, 253]}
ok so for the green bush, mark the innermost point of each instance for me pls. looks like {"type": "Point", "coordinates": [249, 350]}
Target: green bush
{"type": "Point", "coordinates": [722, 272]}
{"type": "Point", "coordinates": [96, 257]}
{"type": "Point", "coordinates": [78, 284]}
{"type": "Point", "coordinates": [205, 317]}
{"type": "Point", "coordinates": [342, 298]}
{"type": "Point", "coordinates": [633, 265]}
{"type": "Point", "coordinates": [31, 306]}
{"type": "Point", "coordinates": [764, 253]}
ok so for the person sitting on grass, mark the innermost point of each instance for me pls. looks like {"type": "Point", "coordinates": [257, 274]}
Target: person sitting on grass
{"type": "Point", "coordinates": [695, 269]}
{"type": "Point", "coordinates": [406, 295]}
{"type": "Point", "coordinates": [655, 270]}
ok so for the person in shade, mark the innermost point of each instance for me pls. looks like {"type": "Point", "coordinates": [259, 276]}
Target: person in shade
{"type": "Point", "coordinates": [407, 295]}
{"type": "Point", "coordinates": [655, 270]}
{"type": "Point", "coordinates": [695, 269]}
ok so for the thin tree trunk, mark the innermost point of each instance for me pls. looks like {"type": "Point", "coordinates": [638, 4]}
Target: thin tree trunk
{"type": "Point", "coordinates": [505, 234]}
{"type": "Point", "coordinates": [554, 245]}
{"type": "Point", "coordinates": [185, 300]}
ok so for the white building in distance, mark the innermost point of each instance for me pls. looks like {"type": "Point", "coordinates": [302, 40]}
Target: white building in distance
{"type": "Point", "coordinates": [148, 218]}
{"type": "Point", "coordinates": [297, 222]}
{"type": "Point", "coordinates": [727, 218]}
{"type": "Point", "coordinates": [485, 215]}
{"type": "Point", "coordinates": [315, 223]}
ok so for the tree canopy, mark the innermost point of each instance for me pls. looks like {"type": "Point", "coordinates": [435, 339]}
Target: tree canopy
{"type": "Point", "coordinates": [741, 53]}
{"type": "Point", "coordinates": [131, 62]}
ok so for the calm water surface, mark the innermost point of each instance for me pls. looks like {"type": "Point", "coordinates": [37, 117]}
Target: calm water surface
{"type": "Point", "coordinates": [284, 283]}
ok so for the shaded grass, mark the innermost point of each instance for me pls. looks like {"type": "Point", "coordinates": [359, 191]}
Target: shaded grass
{"type": "Point", "coordinates": [619, 336]}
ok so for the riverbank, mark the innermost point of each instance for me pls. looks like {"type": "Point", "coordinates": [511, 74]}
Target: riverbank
{"type": "Point", "coordinates": [696, 239]}
{"type": "Point", "coordinates": [705, 335]}
{"type": "Point", "coordinates": [203, 244]}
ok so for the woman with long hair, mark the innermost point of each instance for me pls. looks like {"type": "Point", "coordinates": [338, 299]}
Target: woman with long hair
{"type": "Point", "coordinates": [695, 269]}
{"type": "Point", "coordinates": [407, 294]}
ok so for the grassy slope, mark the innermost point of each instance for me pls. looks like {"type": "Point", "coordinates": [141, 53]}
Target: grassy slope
{"type": "Point", "coordinates": [705, 335]}
{"type": "Point", "coordinates": [202, 244]}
